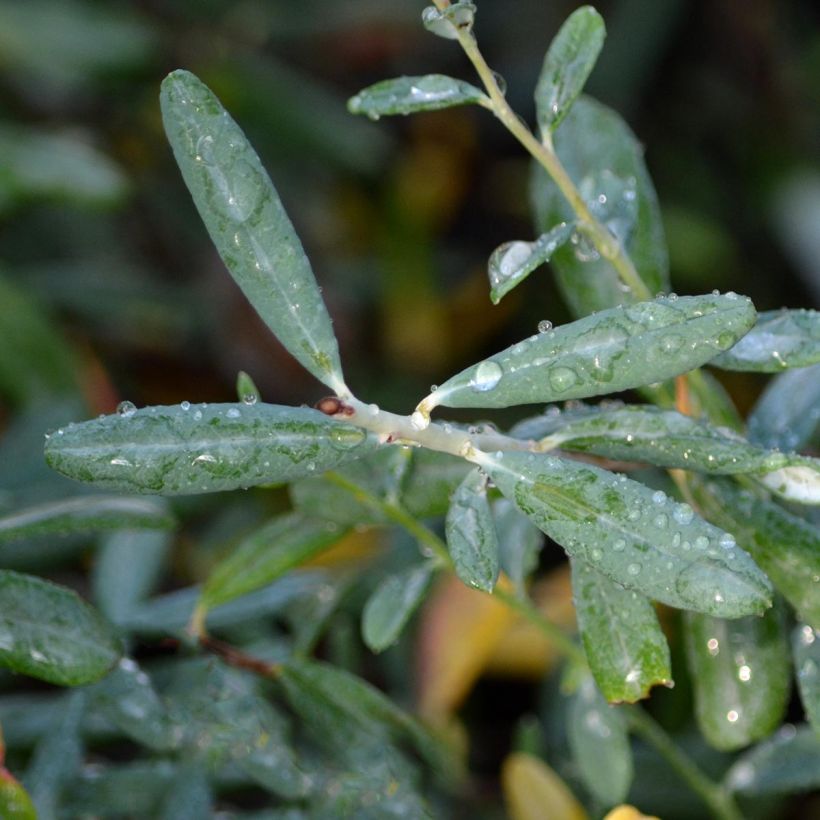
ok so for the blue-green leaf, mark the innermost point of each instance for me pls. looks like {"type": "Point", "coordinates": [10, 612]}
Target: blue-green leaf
{"type": "Point", "coordinates": [740, 675]}
{"type": "Point", "coordinates": [570, 59]}
{"type": "Point", "coordinates": [407, 95]}
{"type": "Point", "coordinates": [191, 797]}
{"type": "Point", "coordinates": [511, 263]}
{"type": "Point", "coordinates": [779, 340]}
{"type": "Point", "coordinates": [806, 651]}
{"type": "Point", "coordinates": [519, 542]}
{"type": "Point", "coordinates": [245, 218]}
{"type": "Point", "coordinates": [631, 534]}
{"type": "Point", "coordinates": [623, 641]}
{"type": "Point", "coordinates": [188, 449]}
{"type": "Point", "coordinates": [471, 536]}
{"type": "Point", "coordinates": [613, 350]}
{"type": "Point", "coordinates": [449, 21]}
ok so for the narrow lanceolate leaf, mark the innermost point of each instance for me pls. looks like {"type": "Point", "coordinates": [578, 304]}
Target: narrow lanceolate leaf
{"type": "Point", "coordinates": [511, 263]}
{"type": "Point", "coordinates": [598, 149]}
{"type": "Point", "coordinates": [569, 61]}
{"type": "Point", "coordinates": [600, 744]}
{"type": "Point", "coordinates": [49, 632]}
{"type": "Point", "coordinates": [785, 546]}
{"type": "Point", "coordinates": [471, 535]}
{"type": "Point", "coordinates": [630, 533]}
{"type": "Point", "coordinates": [740, 674]}
{"type": "Point", "coordinates": [85, 514]}
{"type": "Point", "coordinates": [787, 415]}
{"type": "Point", "coordinates": [407, 95]}
{"type": "Point", "coordinates": [623, 641]}
{"type": "Point", "coordinates": [786, 764]}
{"type": "Point", "coordinates": [245, 218]}
{"type": "Point", "coordinates": [779, 340]}
{"type": "Point", "coordinates": [806, 652]}
{"type": "Point", "coordinates": [530, 785]}
{"type": "Point", "coordinates": [390, 607]}
{"type": "Point", "coordinates": [613, 350]}
{"type": "Point", "coordinates": [263, 556]}
{"type": "Point", "coordinates": [189, 449]}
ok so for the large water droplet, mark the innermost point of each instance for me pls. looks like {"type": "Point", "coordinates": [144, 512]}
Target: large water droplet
{"type": "Point", "coordinates": [544, 326]}
{"type": "Point", "coordinates": [562, 378]}
{"type": "Point", "coordinates": [126, 409]}
{"type": "Point", "coordinates": [619, 545]}
{"type": "Point", "coordinates": [634, 569]}
{"type": "Point", "coordinates": [487, 376]}
{"type": "Point", "coordinates": [683, 514]}
{"type": "Point", "coordinates": [346, 438]}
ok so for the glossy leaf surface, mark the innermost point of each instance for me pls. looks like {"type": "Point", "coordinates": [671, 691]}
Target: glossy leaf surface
{"type": "Point", "coordinates": [600, 744]}
{"type": "Point", "coordinates": [569, 61]}
{"type": "Point", "coordinates": [630, 534]}
{"type": "Point", "coordinates": [806, 652]}
{"type": "Point", "coordinates": [183, 449]}
{"type": "Point", "coordinates": [611, 351]}
{"type": "Point", "coordinates": [407, 95]}
{"type": "Point", "coordinates": [50, 633]}
{"type": "Point", "coordinates": [471, 536]}
{"type": "Point", "coordinates": [780, 339]}
{"type": "Point", "coordinates": [740, 675]}
{"type": "Point", "coordinates": [625, 647]}
{"type": "Point", "coordinates": [248, 224]}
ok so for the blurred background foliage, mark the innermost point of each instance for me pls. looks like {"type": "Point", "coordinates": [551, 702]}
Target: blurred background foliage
{"type": "Point", "coordinates": [110, 288]}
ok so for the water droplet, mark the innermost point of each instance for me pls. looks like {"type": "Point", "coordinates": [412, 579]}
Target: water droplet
{"type": "Point", "coordinates": [486, 377]}
{"type": "Point", "coordinates": [544, 326]}
{"type": "Point", "coordinates": [732, 716]}
{"type": "Point", "coordinates": [619, 545]}
{"type": "Point", "coordinates": [634, 569]}
{"type": "Point", "coordinates": [233, 413]}
{"type": "Point", "coordinates": [727, 541]}
{"type": "Point", "coordinates": [500, 82]}
{"type": "Point", "coordinates": [250, 398]}
{"type": "Point", "coordinates": [562, 378]}
{"type": "Point", "coordinates": [683, 514]}
{"type": "Point", "coordinates": [346, 438]}
{"type": "Point", "coordinates": [726, 340]}
{"type": "Point", "coordinates": [205, 149]}
{"type": "Point", "coordinates": [745, 673]}
{"type": "Point", "coordinates": [433, 388]}
{"type": "Point", "coordinates": [197, 415]}
{"type": "Point", "coordinates": [713, 646]}
{"type": "Point", "coordinates": [596, 555]}
{"type": "Point", "coordinates": [634, 514]}
{"type": "Point", "coordinates": [419, 420]}
{"type": "Point", "coordinates": [659, 497]}
{"type": "Point", "coordinates": [661, 521]}
{"type": "Point", "coordinates": [373, 409]}
{"type": "Point", "coordinates": [701, 542]}
{"type": "Point", "coordinates": [126, 409]}
{"type": "Point", "coordinates": [671, 343]}
{"type": "Point", "coordinates": [121, 462]}
{"type": "Point", "coordinates": [185, 405]}
{"type": "Point", "coordinates": [205, 458]}
{"type": "Point", "coordinates": [807, 636]}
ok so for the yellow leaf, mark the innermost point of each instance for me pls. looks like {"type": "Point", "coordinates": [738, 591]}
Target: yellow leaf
{"type": "Point", "coordinates": [628, 813]}
{"type": "Point", "coordinates": [533, 791]}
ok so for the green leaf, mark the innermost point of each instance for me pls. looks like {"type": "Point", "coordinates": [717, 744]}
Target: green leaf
{"type": "Point", "coordinates": [266, 554]}
{"type": "Point", "coordinates": [806, 651]}
{"type": "Point", "coordinates": [630, 534]}
{"type": "Point", "coordinates": [740, 675]}
{"type": "Point", "coordinates": [15, 804]}
{"type": "Point", "coordinates": [623, 641]}
{"type": "Point", "coordinates": [431, 479]}
{"type": "Point", "coordinates": [780, 339]}
{"type": "Point", "coordinates": [785, 546]}
{"type": "Point", "coordinates": [190, 798]}
{"type": "Point", "coordinates": [598, 150]}
{"type": "Point", "coordinates": [202, 448]}
{"type": "Point", "coordinates": [511, 263]}
{"type": "Point", "coordinates": [788, 763]}
{"type": "Point", "coordinates": [471, 536]}
{"type": "Point", "coordinates": [570, 59]}
{"type": "Point", "coordinates": [391, 605]}
{"type": "Point", "coordinates": [611, 351]}
{"type": "Point", "coordinates": [245, 218]}
{"type": "Point", "coordinates": [449, 21]}
{"type": "Point", "coordinates": [49, 632]}
{"type": "Point", "coordinates": [407, 95]}
{"type": "Point", "coordinates": [246, 391]}
{"type": "Point", "coordinates": [519, 542]}
{"type": "Point", "coordinates": [85, 514]}
{"type": "Point", "coordinates": [600, 744]}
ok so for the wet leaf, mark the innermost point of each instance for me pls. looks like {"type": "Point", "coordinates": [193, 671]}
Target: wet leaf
{"type": "Point", "coordinates": [806, 651]}
{"type": "Point", "coordinates": [740, 675]}
{"type": "Point", "coordinates": [530, 785]}
{"type": "Point", "coordinates": [519, 542]}
{"type": "Point", "coordinates": [49, 632]}
{"type": "Point", "coordinates": [630, 534]}
{"type": "Point", "coordinates": [471, 536]}
{"type": "Point", "coordinates": [184, 449]}
{"type": "Point", "coordinates": [779, 340]}
{"type": "Point", "coordinates": [246, 221]}
{"type": "Point", "coordinates": [623, 641]}
{"type": "Point", "coordinates": [611, 351]}
{"type": "Point", "coordinates": [569, 61]}
{"type": "Point", "coordinates": [246, 391]}
{"type": "Point", "coordinates": [407, 95]}
{"type": "Point", "coordinates": [447, 22]}
{"type": "Point", "coordinates": [599, 742]}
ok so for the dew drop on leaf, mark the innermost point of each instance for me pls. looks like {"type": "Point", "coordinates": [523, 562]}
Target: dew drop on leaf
{"type": "Point", "coordinates": [487, 376]}
{"type": "Point", "coordinates": [126, 409]}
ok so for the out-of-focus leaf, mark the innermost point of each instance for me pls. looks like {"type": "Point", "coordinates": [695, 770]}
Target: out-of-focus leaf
{"type": "Point", "coordinates": [392, 604]}
{"type": "Point", "coordinates": [613, 350]}
{"type": "Point", "coordinates": [600, 744]}
{"type": "Point", "coordinates": [432, 478]}
{"type": "Point", "coordinates": [626, 650]}
{"type": "Point", "coordinates": [247, 223]}
{"type": "Point", "coordinates": [595, 144]}
{"type": "Point", "coordinates": [407, 95]}
{"type": "Point", "coordinates": [627, 813]}
{"type": "Point", "coordinates": [530, 786]}
{"type": "Point", "coordinates": [787, 763]}
{"type": "Point", "coordinates": [449, 21]}
{"type": "Point", "coordinates": [49, 632]}
{"type": "Point", "coordinates": [780, 339]}
{"type": "Point", "coordinates": [787, 415]}
{"type": "Point", "coordinates": [740, 674]}
{"type": "Point", "coordinates": [15, 804]}
{"type": "Point", "coordinates": [569, 61]}
{"type": "Point", "coordinates": [187, 449]}
{"type": "Point", "coordinates": [281, 544]}
{"type": "Point", "coordinates": [190, 799]}
{"type": "Point", "coordinates": [628, 532]}
{"type": "Point", "coordinates": [471, 536]}
{"type": "Point", "coordinates": [799, 482]}
{"type": "Point", "coordinates": [511, 263]}
{"type": "Point", "coordinates": [806, 651]}
{"type": "Point", "coordinates": [785, 546]}
{"type": "Point", "coordinates": [85, 514]}
{"type": "Point", "coordinates": [519, 542]}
